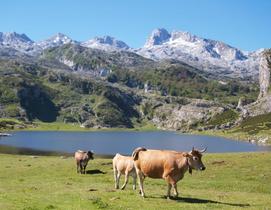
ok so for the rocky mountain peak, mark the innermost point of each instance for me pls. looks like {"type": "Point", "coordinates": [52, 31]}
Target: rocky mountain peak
{"type": "Point", "coordinates": [157, 37]}
{"type": "Point", "coordinates": [186, 36]}
{"type": "Point", "coordinates": [59, 37]}
{"type": "Point", "coordinates": [205, 54]}
{"type": "Point", "coordinates": [16, 41]}
{"type": "Point", "coordinates": [54, 41]}
{"type": "Point", "coordinates": [106, 43]}
{"type": "Point", "coordinates": [11, 37]}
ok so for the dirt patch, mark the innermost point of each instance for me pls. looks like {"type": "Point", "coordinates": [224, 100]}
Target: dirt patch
{"type": "Point", "coordinates": [105, 164]}
{"type": "Point", "coordinates": [222, 162]}
{"type": "Point", "coordinates": [114, 198]}
{"type": "Point", "coordinates": [110, 190]}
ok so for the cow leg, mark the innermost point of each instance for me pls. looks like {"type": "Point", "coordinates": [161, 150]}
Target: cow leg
{"type": "Point", "coordinates": [77, 167]}
{"type": "Point", "coordinates": [141, 180]}
{"type": "Point", "coordinates": [175, 190]}
{"type": "Point", "coordinates": [85, 169]}
{"type": "Point", "coordinates": [134, 182]}
{"type": "Point", "coordinates": [81, 168]}
{"type": "Point", "coordinates": [126, 181]}
{"type": "Point", "coordinates": [168, 190]}
{"type": "Point", "coordinates": [118, 180]}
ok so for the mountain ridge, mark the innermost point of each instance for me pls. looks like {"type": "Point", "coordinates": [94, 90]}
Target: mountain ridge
{"type": "Point", "coordinates": [205, 54]}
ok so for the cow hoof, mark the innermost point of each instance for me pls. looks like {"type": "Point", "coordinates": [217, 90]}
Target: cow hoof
{"type": "Point", "coordinates": [122, 188]}
{"type": "Point", "coordinates": [169, 197]}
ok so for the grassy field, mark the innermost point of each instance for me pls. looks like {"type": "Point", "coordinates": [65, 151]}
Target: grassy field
{"type": "Point", "coordinates": [60, 126]}
{"type": "Point", "coordinates": [235, 134]}
{"type": "Point", "coordinates": [231, 181]}
{"type": "Point", "coordinates": [7, 124]}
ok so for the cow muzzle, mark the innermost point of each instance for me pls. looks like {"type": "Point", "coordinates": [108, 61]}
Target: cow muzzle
{"type": "Point", "coordinates": [202, 168]}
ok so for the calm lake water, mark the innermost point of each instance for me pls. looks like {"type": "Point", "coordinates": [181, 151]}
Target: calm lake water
{"type": "Point", "coordinates": [123, 142]}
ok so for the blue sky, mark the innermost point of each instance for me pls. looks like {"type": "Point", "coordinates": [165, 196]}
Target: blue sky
{"type": "Point", "coordinates": [245, 24]}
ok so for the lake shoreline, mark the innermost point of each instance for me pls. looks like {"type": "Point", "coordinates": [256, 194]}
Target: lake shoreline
{"type": "Point", "coordinates": [63, 127]}
{"type": "Point", "coordinates": [116, 141]}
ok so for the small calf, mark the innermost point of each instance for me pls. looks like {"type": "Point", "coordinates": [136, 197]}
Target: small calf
{"type": "Point", "coordinates": [82, 159]}
{"type": "Point", "coordinates": [123, 165]}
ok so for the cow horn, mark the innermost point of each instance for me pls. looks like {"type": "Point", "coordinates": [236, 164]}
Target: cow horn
{"type": "Point", "coordinates": [202, 151]}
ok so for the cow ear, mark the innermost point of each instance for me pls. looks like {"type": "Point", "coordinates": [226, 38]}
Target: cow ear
{"type": "Point", "coordinates": [186, 154]}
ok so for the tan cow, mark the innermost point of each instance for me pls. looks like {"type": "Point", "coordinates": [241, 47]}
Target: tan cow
{"type": "Point", "coordinates": [164, 164]}
{"type": "Point", "coordinates": [82, 159]}
{"type": "Point", "coordinates": [123, 165]}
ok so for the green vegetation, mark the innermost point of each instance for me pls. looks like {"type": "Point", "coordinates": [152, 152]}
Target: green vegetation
{"type": "Point", "coordinates": [169, 77]}
{"type": "Point", "coordinates": [10, 124]}
{"type": "Point", "coordinates": [231, 181]}
{"type": "Point", "coordinates": [254, 125]}
{"type": "Point", "coordinates": [60, 126]}
{"type": "Point", "coordinates": [55, 96]}
{"type": "Point", "coordinates": [251, 129]}
{"type": "Point", "coordinates": [92, 60]}
{"type": "Point", "coordinates": [186, 82]}
{"type": "Point", "coordinates": [227, 116]}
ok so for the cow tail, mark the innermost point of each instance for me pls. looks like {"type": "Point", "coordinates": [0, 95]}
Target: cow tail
{"type": "Point", "coordinates": [136, 151]}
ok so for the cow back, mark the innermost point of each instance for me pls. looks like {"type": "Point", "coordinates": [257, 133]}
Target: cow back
{"type": "Point", "coordinates": [123, 163]}
{"type": "Point", "coordinates": [158, 163]}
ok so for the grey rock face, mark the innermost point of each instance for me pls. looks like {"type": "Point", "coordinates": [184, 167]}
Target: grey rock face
{"type": "Point", "coordinates": [106, 43]}
{"type": "Point", "coordinates": [183, 116]}
{"type": "Point", "coordinates": [263, 103]}
{"type": "Point", "coordinates": [57, 40]}
{"type": "Point", "coordinates": [264, 75]}
{"type": "Point", "coordinates": [16, 41]}
{"type": "Point", "coordinates": [157, 37]}
{"type": "Point", "coordinates": [205, 54]}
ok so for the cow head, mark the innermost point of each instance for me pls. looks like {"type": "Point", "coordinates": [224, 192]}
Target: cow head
{"type": "Point", "coordinates": [90, 155]}
{"type": "Point", "coordinates": [194, 159]}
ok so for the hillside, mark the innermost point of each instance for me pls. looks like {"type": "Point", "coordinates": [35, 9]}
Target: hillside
{"type": "Point", "coordinates": [74, 85]}
{"type": "Point", "coordinates": [30, 92]}
{"type": "Point", "coordinates": [94, 88]}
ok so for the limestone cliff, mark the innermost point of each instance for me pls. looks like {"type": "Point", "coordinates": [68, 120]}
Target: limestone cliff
{"type": "Point", "coordinates": [264, 73]}
{"type": "Point", "coordinates": [173, 113]}
{"type": "Point", "coordinates": [263, 103]}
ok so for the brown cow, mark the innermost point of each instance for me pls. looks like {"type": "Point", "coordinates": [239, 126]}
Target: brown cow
{"type": "Point", "coordinates": [82, 159]}
{"type": "Point", "coordinates": [123, 165]}
{"type": "Point", "coordinates": [164, 164]}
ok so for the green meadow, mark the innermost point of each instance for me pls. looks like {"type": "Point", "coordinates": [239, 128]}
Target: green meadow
{"type": "Point", "coordinates": [231, 181]}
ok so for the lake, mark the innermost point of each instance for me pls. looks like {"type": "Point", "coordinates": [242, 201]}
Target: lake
{"type": "Point", "coordinates": [124, 142]}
